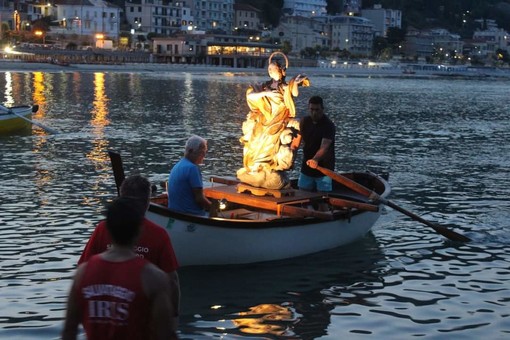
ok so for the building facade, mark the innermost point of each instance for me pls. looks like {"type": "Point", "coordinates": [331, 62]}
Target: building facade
{"type": "Point", "coordinates": [219, 50]}
{"type": "Point", "coordinates": [213, 15]}
{"type": "Point", "coordinates": [383, 19]}
{"type": "Point", "coordinates": [304, 8]}
{"type": "Point", "coordinates": [301, 32]}
{"type": "Point", "coordinates": [353, 34]}
{"type": "Point", "coordinates": [37, 9]}
{"type": "Point", "coordinates": [246, 17]}
{"type": "Point", "coordinates": [494, 39]}
{"type": "Point", "coordinates": [342, 32]}
{"type": "Point", "coordinates": [432, 43]}
{"type": "Point", "coordinates": [159, 17]}
{"type": "Point", "coordinates": [86, 18]}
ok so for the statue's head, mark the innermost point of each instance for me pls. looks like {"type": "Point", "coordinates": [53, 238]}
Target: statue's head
{"type": "Point", "coordinates": [276, 70]}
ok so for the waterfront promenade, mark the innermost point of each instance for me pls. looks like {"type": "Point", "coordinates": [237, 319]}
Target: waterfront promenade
{"type": "Point", "coordinates": [396, 71]}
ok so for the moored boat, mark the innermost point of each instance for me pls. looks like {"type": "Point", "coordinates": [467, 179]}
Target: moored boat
{"type": "Point", "coordinates": [16, 118]}
{"type": "Point", "coordinates": [260, 225]}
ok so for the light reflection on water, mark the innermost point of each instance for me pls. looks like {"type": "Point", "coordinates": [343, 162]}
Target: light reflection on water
{"type": "Point", "coordinates": [445, 144]}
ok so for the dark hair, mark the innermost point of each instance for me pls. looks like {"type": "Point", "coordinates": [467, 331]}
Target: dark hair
{"type": "Point", "coordinates": [316, 100]}
{"type": "Point", "coordinates": [124, 219]}
{"type": "Point", "coordinates": [137, 187]}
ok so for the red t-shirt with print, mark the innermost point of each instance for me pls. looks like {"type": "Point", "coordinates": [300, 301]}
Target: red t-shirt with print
{"type": "Point", "coordinates": [153, 245]}
{"type": "Point", "coordinates": [111, 299]}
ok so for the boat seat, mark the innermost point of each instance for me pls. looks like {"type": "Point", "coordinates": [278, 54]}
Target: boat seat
{"type": "Point", "coordinates": [238, 214]}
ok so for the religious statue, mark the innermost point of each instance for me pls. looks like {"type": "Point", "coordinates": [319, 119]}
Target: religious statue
{"type": "Point", "coordinates": [270, 127]}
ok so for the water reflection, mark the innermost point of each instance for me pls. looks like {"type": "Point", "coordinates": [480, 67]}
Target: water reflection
{"type": "Point", "coordinates": [99, 121]}
{"type": "Point", "coordinates": [265, 319]}
{"type": "Point", "coordinates": [39, 98]}
{"type": "Point", "coordinates": [38, 94]}
{"type": "Point", "coordinates": [100, 105]}
{"type": "Point", "coordinates": [293, 292]}
{"type": "Point", "coordinates": [9, 100]}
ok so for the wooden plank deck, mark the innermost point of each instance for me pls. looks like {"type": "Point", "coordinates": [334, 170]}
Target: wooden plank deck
{"type": "Point", "coordinates": [229, 192]}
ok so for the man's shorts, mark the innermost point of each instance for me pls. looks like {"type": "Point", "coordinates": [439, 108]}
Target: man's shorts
{"type": "Point", "coordinates": [308, 183]}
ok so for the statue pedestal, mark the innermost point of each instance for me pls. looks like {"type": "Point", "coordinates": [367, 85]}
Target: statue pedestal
{"type": "Point", "coordinates": [263, 191]}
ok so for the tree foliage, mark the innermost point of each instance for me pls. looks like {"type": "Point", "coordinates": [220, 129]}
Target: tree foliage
{"type": "Point", "coordinates": [395, 36]}
{"type": "Point", "coordinates": [334, 6]}
{"type": "Point", "coordinates": [379, 45]}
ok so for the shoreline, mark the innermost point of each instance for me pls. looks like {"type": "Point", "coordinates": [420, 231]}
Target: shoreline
{"type": "Point", "coordinates": [351, 71]}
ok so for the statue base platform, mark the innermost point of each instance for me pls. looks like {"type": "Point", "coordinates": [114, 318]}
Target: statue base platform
{"type": "Point", "coordinates": [263, 191]}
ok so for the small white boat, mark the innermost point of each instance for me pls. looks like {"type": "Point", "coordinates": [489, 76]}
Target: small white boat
{"type": "Point", "coordinates": [253, 228]}
{"type": "Point", "coordinates": [16, 118]}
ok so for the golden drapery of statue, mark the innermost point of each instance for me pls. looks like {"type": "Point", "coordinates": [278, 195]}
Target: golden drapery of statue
{"type": "Point", "coordinates": [270, 127]}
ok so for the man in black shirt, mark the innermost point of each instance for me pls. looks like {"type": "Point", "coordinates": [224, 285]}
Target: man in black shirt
{"type": "Point", "coordinates": [317, 132]}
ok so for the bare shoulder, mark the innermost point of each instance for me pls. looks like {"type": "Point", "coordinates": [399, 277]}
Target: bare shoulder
{"type": "Point", "coordinates": [154, 273]}
{"type": "Point", "coordinates": [154, 279]}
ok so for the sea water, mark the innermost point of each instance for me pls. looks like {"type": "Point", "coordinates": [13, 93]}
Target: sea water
{"type": "Point", "coordinates": [444, 142]}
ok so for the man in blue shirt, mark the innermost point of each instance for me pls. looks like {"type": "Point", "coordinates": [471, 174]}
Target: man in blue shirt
{"type": "Point", "coordinates": [185, 187]}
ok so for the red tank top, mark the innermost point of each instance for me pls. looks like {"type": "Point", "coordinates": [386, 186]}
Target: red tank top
{"type": "Point", "coordinates": [111, 298]}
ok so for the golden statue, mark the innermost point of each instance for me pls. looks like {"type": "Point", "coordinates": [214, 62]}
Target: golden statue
{"type": "Point", "coordinates": [270, 127]}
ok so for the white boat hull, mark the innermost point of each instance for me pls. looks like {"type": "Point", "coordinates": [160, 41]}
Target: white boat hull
{"type": "Point", "coordinates": [200, 244]}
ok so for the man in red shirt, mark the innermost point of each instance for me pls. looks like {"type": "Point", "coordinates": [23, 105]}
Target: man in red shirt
{"type": "Point", "coordinates": [117, 294]}
{"type": "Point", "coordinates": [153, 243]}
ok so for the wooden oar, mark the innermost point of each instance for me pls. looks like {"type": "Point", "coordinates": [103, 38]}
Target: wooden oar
{"type": "Point", "coordinates": [287, 209]}
{"type": "Point", "coordinates": [343, 203]}
{"type": "Point", "coordinates": [34, 109]}
{"type": "Point", "coordinates": [118, 169]}
{"type": "Point", "coordinates": [376, 198]}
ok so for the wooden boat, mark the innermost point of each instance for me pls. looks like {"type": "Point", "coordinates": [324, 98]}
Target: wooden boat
{"type": "Point", "coordinates": [16, 118]}
{"type": "Point", "coordinates": [260, 225]}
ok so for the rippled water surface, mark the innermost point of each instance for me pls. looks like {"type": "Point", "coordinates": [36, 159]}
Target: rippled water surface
{"type": "Point", "coordinates": [445, 143]}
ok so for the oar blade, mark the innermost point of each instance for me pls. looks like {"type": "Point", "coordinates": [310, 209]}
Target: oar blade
{"type": "Point", "coordinates": [118, 168]}
{"type": "Point", "coordinates": [450, 234]}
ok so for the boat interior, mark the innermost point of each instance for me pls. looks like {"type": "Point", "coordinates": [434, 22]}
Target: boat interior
{"type": "Point", "coordinates": [234, 200]}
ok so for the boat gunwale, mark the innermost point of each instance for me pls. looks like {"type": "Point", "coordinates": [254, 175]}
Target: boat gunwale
{"type": "Point", "coordinates": [17, 108]}
{"type": "Point", "coordinates": [285, 221]}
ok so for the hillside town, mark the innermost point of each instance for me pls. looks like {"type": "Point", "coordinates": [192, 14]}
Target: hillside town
{"type": "Point", "coordinates": [228, 33]}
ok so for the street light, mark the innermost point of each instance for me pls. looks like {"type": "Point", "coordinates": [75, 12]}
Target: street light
{"type": "Point", "coordinates": [41, 34]}
{"type": "Point", "coordinates": [100, 40]}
